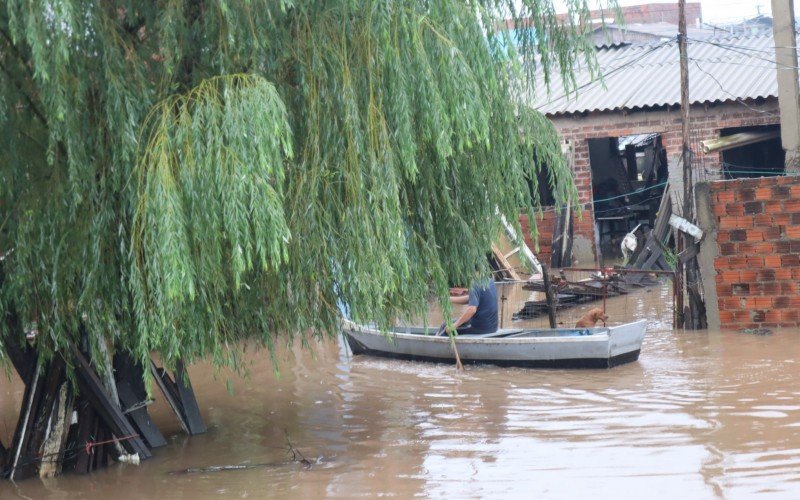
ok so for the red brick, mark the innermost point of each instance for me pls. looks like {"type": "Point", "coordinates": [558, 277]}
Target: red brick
{"type": "Point", "coordinates": [732, 222]}
{"type": "Point", "coordinates": [790, 316]}
{"type": "Point", "coordinates": [764, 220]}
{"type": "Point", "coordinates": [766, 275]}
{"type": "Point", "coordinates": [725, 317]}
{"type": "Point", "coordinates": [738, 235]}
{"type": "Point", "coordinates": [755, 235]}
{"type": "Point", "coordinates": [731, 209]}
{"type": "Point", "coordinates": [772, 261]}
{"type": "Point", "coordinates": [791, 260]}
{"type": "Point", "coordinates": [780, 302]}
{"type": "Point", "coordinates": [749, 302]}
{"type": "Point", "coordinates": [793, 232]}
{"type": "Point", "coordinates": [773, 316]}
{"type": "Point", "coordinates": [762, 302]}
{"type": "Point", "coordinates": [781, 192]}
{"type": "Point", "coordinates": [732, 276]}
{"type": "Point", "coordinates": [791, 206]}
{"type": "Point", "coordinates": [782, 247]}
{"type": "Point", "coordinates": [727, 248]}
{"type": "Point", "coordinates": [763, 193]}
{"type": "Point", "coordinates": [725, 196]}
{"type": "Point", "coordinates": [763, 248]}
{"type": "Point", "coordinates": [783, 274]}
{"type": "Point", "coordinates": [754, 262]}
{"type": "Point", "coordinates": [737, 262]}
{"type": "Point", "coordinates": [764, 288]}
{"type": "Point", "coordinates": [746, 195]}
{"type": "Point", "coordinates": [781, 219]}
{"type": "Point", "coordinates": [746, 276]}
{"type": "Point", "coordinates": [753, 207]}
{"type": "Point", "coordinates": [772, 233]}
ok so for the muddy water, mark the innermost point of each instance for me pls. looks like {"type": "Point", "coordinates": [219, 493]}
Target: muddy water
{"type": "Point", "coordinates": [700, 415]}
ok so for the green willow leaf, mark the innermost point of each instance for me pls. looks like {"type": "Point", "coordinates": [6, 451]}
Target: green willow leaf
{"type": "Point", "coordinates": [180, 176]}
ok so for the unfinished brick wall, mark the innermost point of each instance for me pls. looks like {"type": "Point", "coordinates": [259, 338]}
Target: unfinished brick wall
{"type": "Point", "coordinates": [545, 225]}
{"type": "Point", "coordinates": [758, 237]}
{"type": "Point", "coordinates": [707, 121]}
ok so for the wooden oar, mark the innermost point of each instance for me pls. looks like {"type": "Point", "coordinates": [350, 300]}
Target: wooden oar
{"type": "Point", "coordinates": [443, 329]}
{"type": "Point", "coordinates": [459, 365]}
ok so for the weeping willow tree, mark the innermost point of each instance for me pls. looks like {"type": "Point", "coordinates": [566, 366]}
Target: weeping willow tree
{"type": "Point", "coordinates": [180, 175]}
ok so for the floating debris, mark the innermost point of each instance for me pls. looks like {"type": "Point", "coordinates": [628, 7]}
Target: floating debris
{"type": "Point", "coordinates": [756, 331]}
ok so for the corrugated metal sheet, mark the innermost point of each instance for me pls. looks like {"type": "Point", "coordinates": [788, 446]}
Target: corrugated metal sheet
{"type": "Point", "coordinates": [646, 76]}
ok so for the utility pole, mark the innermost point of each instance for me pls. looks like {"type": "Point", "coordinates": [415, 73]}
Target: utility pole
{"type": "Point", "coordinates": [693, 317]}
{"type": "Point", "coordinates": [783, 31]}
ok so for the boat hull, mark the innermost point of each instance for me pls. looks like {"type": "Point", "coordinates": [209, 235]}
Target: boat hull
{"type": "Point", "coordinates": [597, 348]}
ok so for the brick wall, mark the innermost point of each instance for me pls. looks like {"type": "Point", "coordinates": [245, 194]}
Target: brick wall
{"type": "Point", "coordinates": [650, 13]}
{"type": "Point", "coordinates": [658, 13]}
{"type": "Point", "coordinates": [707, 121]}
{"type": "Point", "coordinates": [758, 264]}
{"type": "Point", "coordinates": [545, 224]}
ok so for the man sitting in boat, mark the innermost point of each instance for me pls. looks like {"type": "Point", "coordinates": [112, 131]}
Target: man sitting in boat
{"type": "Point", "coordinates": [480, 314]}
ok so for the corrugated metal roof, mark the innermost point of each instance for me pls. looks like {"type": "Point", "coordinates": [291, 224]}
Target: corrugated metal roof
{"type": "Point", "coordinates": [645, 76]}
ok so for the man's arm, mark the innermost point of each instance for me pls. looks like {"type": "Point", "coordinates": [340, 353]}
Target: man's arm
{"type": "Point", "coordinates": [459, 299]}
{"type": "Point", "coordinates": [466, 315]}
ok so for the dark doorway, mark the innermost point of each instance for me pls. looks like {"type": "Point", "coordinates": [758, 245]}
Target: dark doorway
{"type": "Point", "coordinates": [628, 178]}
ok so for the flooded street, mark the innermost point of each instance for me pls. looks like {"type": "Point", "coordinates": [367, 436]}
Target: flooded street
{"type": "Point", "coordinates": [705, 414]}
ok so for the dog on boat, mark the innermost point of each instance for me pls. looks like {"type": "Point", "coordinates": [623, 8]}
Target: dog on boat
{"type": "Point", "coordinates": [591, 318]}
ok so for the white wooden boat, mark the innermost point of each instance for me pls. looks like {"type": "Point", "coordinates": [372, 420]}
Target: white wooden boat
{"type": "Point", "coordinates": [599, 347]}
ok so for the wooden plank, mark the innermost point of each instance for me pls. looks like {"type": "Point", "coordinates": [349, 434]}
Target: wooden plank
{"type": "Point", "coordinates": [508, 270]}
{"type": "Point", "coordinates": [170, 394]}
{"type": "Point", "coordinates": [139, 417]}
{"type": "Point", "coordinates": [35, 425]}
{"type": "Point", "coordinates": [21, 355]}
{"type": "Point", "coordinates": [689, 253]}
{"type": "Point", "coordinates": [132, 393]}
{"type": "Point", "coordinates": [661, 226]}
{"type": "Point", "coordinates": [87, 427]}
{"type": "Point", "coordinates": [23, 431]}
{"type": "Point", "coordinates": [186, 394]}
{"type": "Point", "coordinates": [548, 292]}
{"type": "Point", "coordinates": [558, 239]}
{"type": "Point", "coordinates": [59, 423]}
{"type": "Point", "coordinates": [93, 391]}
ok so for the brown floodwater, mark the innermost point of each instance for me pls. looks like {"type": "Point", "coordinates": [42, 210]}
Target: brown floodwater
{"type": "Point", "coordinates": [700, 415]}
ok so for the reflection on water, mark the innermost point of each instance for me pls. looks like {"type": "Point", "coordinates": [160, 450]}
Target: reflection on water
{"type": "Point", "coordinates": [709, 415]}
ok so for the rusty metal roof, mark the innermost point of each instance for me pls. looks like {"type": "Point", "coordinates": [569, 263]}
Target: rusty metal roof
{"type": "Point", "coordinates": [648, 76]}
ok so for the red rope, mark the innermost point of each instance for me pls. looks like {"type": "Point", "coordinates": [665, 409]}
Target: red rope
{"type": "Point", "coordinates": [92, 444]}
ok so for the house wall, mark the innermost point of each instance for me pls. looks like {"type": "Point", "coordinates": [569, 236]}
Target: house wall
{"type": "Point", "coordinates": [706, 122]}
{"type": "Point", "coordinates": [650, 13]}
{"type": "Point", "coordinates": [660, 12]}
{"type": "Point", "coordinates": [756, 266]}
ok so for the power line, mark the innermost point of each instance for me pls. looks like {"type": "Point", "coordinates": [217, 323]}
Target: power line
{"type": "Point", "coordinates": [735, 98]}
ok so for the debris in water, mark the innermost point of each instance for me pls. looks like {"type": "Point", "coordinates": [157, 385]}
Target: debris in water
{"type": "Point", "coordinates": [757, 331]}
{"type": "Point", "coordinates": [297, 457]}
